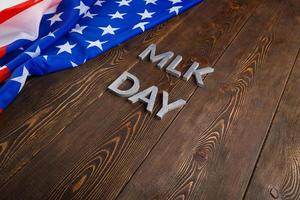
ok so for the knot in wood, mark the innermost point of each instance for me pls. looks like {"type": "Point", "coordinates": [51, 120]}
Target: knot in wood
{"type": "Point", "coordinates": [274, 193]}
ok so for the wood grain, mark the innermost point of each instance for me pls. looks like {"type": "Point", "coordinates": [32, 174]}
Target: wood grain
{"type": "Point", "coordinates": [211, 148]}
{"type": "Point", "coordinates": [96, 155]}
{"type": "Point", "coordinates": [277, 174]}
{"type": "Point", "coordinates": [52, 102]}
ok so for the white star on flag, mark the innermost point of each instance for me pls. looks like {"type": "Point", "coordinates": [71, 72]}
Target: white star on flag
{"type": "Point", "coordinates": [175, 9]}
{"type": "Point", "coordinates": [146, 14]}
{"type": "Point", "coordinates": [82, 8]}
{"type": "Point", "coordinates": [176, 1]}
{"type": "Point", "coordinates": [141, 25]}
{"type": "Point", "coordinates": [22, 79]}
{"type": "Point", "coordinates": [123, 2]}
{"type": "Point", "coordinates": [96, 43]}
{"type": "Point", "coordinates": [78, 29]}
{"type": "Point", "coordinates": [89, 15]}
{"type": "Point", "coordinates": [50, 34]}
{"type": "Point", "coordinates": [117, 15]}
{"type": "Point", "coordinates": [151, 1]}
{"type": "Point", "coordinates": [99, 3]}
{"type": "Point", "coordinates": [67, 47]}
{"type": "Point", "coordinates": [74, 64]}
{"type": "Point", "coordinates": [108, 30]}
{"type": "Point", "coordinates": [55, 18]}
{"type": "Point", "coordinates": [34, 54]}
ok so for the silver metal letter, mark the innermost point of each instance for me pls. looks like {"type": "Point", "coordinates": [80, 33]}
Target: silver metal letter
{"type": "Point", "coordinates": [142, 96]}
{"type": "Point", "coordinates": [171, 69]}
{"type": "Point", "coordinates": [198, 73]}
{"type": "Point", "coordinates": [121, 79]}
{"type": "Point", "coordinates": [169, 107]}
{"type": "Point", "coordinates": [163, 58]}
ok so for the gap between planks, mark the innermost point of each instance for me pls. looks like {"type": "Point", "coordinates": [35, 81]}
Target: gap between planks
{"type": "Point", "coordinates": [176, 25]}
{"type": "Point", "coordinates": [271, 124]}
{"type": "Point", "coordinates": [176, 116]}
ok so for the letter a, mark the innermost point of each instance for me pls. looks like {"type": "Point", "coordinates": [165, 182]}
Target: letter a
{"type": "Point", "coordinates": [114, 87]}
{"type": "Point", "coordinates": [142, 96]}
{"type": "Point", "coordinates": [169, 107]}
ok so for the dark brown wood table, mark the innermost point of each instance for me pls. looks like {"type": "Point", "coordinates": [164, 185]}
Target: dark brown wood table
{"type": "Point", "coordinates": [68, 137]}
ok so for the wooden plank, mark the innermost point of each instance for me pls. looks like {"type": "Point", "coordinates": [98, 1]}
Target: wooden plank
{"type": "Point", "coordinates": [96, 155]}
{"type": "Point", "coordinates": [277, 175]}
{"type": "Point", "coordinates": [52, 102]}
{"type": "Point", "coordinates": [210, 150]}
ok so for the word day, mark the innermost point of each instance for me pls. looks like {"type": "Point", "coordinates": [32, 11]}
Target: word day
{"type": "Point", "coordinates": [148, 96]}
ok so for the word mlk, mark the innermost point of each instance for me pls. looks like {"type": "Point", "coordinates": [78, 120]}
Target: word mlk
{"type": "Point", "coordinates": [148, 96]}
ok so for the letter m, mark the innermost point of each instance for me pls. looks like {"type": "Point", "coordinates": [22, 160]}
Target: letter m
{"type": "Point", "coordinates": [161, 58]}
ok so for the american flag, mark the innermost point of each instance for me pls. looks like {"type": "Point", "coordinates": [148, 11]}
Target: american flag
{"type": "Point", "coordinates": [38, 37]}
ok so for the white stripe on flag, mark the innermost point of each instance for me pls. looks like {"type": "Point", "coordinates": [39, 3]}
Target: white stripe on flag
{"type": "Point", "coordinates": [25, 25]}
{"type": "Point", "coordinates": [9, 3]}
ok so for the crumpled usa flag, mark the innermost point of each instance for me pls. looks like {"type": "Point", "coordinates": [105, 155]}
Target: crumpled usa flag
{"type": "Point", "coordinates": [38, 37]}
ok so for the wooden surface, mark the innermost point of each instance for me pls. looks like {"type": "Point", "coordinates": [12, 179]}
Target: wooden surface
{"type": "Point", "coordinates": [67, 137]}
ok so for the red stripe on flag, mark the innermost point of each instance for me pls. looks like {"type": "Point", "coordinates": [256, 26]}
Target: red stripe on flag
{"type": "Point", "coordinates": [14, 10]}
{"type": "Point", "coordinates": [4, 73]}
{"type": "Point", "coordinates": [2, 52]}
{"type": "Point", "coordinates": [1, 111]}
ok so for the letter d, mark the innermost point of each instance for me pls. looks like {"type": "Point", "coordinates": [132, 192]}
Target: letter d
{"type": "Point", "coordinates": [114, 87]}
